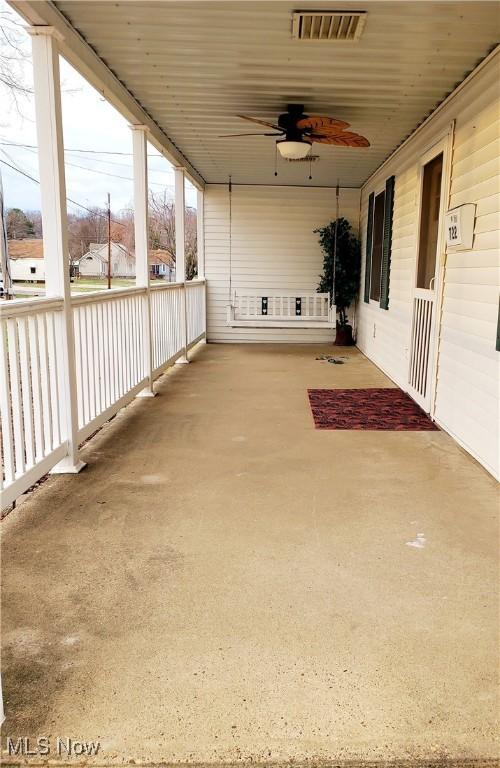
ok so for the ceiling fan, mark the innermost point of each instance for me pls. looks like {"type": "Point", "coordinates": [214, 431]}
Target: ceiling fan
{"type": "Point", "coordinates": [300, 131]}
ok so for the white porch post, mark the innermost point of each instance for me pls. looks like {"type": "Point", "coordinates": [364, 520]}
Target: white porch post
{"type": "Point", "coordinates": [140, 151]}
{"type": "Point", "coordinates": [54, 221]}
{"type": "Point", "coordinates": [200, 242]}
{"type": "Point", "coordinates": [200, 232]}
{"type": "Point", "coordinates": [180, 254]}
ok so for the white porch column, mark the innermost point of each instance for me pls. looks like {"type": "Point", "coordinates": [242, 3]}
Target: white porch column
{"type": "Point", "coordinates": [54, 221]}
{"type": "Point", "coordinates": [140, 152]}
{"type": "Point", "coordinates": [200, 241]}
{"type": "Point", "coordinates": [180, 253]}
{"type": "Point", "coordinates": [200, 232]}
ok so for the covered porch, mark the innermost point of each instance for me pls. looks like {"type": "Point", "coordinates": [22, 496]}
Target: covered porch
{"type": "Point", "coordinates": [224, 582]}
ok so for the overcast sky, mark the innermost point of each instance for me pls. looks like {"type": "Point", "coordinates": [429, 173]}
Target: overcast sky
{"type": "Point", "coordinates": [90, 123]}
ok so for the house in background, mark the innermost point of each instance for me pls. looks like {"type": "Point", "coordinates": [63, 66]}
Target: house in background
{"type": "Point", "coordinates": [26, 260]}
{"type": "Point", "coordinates": [161, 265]}
{"type": "Point", "coordinates": [94, 263]}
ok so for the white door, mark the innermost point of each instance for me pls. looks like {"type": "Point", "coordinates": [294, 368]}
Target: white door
{"type": "Point", "coordinates": [429, 245]}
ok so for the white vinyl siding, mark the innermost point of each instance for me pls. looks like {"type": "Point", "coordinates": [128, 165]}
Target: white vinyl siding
{"type": "Point", "coordinates": [22, 269]}
{"type": "Point", "coordinates": [273, 248]}
{"type": "Point", "coordinates": [467, 392]}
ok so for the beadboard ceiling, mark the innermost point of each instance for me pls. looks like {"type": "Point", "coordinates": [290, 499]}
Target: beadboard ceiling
{"type": "Point", "coordinates": [193, 66]}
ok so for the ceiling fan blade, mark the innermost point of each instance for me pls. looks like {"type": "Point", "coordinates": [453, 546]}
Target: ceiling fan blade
{"type": "Point", "coordinates": [327, 126]}
{"type": "Point", "coordinates": [342, 139]}
{"type": "Point", "coordinates": [233, 135]}
{"type": "Point", "coordinates": [260, 122]}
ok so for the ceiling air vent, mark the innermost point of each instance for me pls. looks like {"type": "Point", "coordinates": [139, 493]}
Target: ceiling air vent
{"type": "Point", "coordinates": [338, 26]}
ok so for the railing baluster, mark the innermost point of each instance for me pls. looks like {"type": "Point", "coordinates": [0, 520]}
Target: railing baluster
{"type": "Point", "coordinates": [85, 366]}
{"type": "Point", "coordinates": [15, 392]}
{"type": "Point", "coordinates": [54, 380]}
{"type": "Point", "coordinates": [97, 358]}
{"type": "Point", "coordinates": [6, 410]}
{"type": "Point", "coordinates": [37, 388]}
{"type": "Point", "coordinates": [26, 388]}
{"type": "Point", "coordinates": [44, 375]}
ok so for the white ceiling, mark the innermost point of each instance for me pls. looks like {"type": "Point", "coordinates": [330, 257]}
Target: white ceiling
{"type": "Point", "coordinates": [194, 65]}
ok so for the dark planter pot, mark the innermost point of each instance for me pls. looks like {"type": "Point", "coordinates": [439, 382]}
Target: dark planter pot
{"type": "Point", "coordinates": [343, 337]}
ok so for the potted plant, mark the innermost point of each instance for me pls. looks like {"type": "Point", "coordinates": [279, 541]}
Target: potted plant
{"type": "Point", "coordinates": [342, 247]}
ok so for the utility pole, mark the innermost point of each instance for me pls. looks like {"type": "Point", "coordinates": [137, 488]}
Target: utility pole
{"type": "Point", "coordinates": [109, 240]}
{"type": "Point", "coordinates": [4, 254]}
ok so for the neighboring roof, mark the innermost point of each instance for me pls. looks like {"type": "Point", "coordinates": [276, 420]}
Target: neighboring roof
{"type": "Point", "coordinates": [25, 249]}
{"type": "Point", "coordinates": [160, 256]}
{"type": "Point", "coordinates": [100, 250]}
{"type": "Point", "coordinates": [93, 254]}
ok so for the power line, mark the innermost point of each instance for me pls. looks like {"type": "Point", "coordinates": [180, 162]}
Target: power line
{"type": "Point", "coordinates": [86, 151]}
{"type": "Point", "coordinates": [34, 148]}
{"type": "Point", "coordinates": [69, 200]}
{"type": "Point", "coordinates": [91, 170]}
{"type": "Point", "coordinates": [113, 175]}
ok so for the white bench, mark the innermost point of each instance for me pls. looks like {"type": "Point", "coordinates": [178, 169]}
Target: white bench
{"type": "Point", "coordinates": [281, 309]}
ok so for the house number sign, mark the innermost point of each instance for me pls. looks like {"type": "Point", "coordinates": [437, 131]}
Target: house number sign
{"type": "Point", "coordinates": [459, 226]}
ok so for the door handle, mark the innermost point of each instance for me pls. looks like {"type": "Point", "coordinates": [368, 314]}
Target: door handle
{"type": "Point", "coordinates": [431, 283]}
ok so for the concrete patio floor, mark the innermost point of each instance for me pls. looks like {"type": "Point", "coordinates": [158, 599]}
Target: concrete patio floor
{"type": "Point", "coordinates": [223, 582]}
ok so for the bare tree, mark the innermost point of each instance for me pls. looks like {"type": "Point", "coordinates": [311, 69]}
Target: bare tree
{"type": "Point", "coordinates": [35, 218]}
{"type": "Point", "coordinates": [191, 244]}
{"type": "Point", "coordinates": [162, 229]}
{"type": "Point", "coordinates": [122, 229]}
{"type": "Point", "coordinates": [13, 57]}
{"type": "Point", "coordinates": [162, 222]}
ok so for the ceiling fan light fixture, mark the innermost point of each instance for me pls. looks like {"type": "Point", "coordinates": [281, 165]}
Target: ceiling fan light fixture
{"type": "Point", "coordinates": [293, 150]}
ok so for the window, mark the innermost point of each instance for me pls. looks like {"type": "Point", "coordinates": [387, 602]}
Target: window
{"type": "Point", "coordinates": [33, 270]}
{"type": "Point", "coordinates": [378, 237]}
{"type": "Point", "coordinates": [378, 245]}
{"type": "Point", "coordinates": [429, 221]}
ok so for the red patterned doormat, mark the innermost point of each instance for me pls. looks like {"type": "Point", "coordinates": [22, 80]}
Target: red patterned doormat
{"type": "Point", "coordinates": [381, 409]}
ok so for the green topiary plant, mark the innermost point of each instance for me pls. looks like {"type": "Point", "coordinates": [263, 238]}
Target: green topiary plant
{"type": "Point", "coordinates": [347, 265]}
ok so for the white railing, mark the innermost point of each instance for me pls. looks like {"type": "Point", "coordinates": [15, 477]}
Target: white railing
{"type": "Point", "coordinates": [167, 316]}
{"type": "Point", "coordinates": [196, 312]}
{"type": "Point", "coordinates": [271, 306]}
{"type": "Point", "coordinates": [112, 330]}
{"type": "Point", "coordinates": [33, 440]}
{"type": "Point", "coordinates": [109, 357]}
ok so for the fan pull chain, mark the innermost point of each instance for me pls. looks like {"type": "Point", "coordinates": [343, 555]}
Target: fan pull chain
{"type": "Point", "coordinates": [275, 158]}
{"type": "Point", "coordinates": [310, 168]}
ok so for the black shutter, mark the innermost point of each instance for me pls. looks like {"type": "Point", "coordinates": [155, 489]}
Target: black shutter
{"type": "Point", "coordinates": [369, 240]}
{"type": "Point", "coordinates": [385, 268]}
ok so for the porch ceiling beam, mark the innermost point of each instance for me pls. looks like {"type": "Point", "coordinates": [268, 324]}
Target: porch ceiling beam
{"type": "Point", "coordinates": [85, 60]}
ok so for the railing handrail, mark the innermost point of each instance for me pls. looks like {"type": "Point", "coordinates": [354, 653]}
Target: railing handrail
{"type": "Point", "coordinates": [77, 299]}
{"type": "Point", "coordinates": [17, 307]}
{"type": "Point", "coordinates": [159, 285]}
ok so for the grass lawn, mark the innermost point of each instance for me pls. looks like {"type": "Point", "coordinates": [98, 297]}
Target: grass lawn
{"type": "Point", "coordinates": [78, 285]}
{"type": "Point", "coordinates": [87, 284]}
